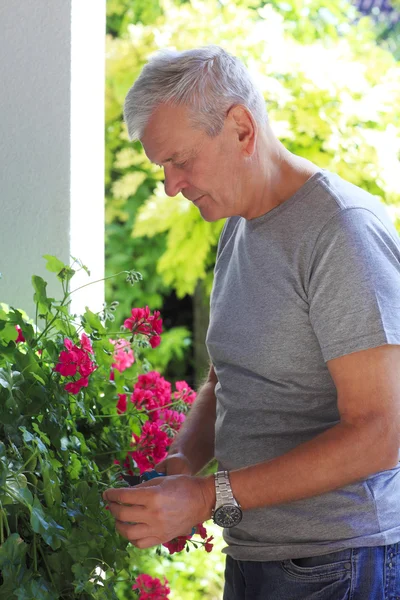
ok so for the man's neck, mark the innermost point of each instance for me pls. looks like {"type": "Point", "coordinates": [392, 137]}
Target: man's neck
{"type": "Point", "coordinates": [284, 175]}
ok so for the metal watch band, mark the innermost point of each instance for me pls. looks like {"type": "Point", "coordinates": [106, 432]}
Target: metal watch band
{"type": "Point", "coordinates": [223, 490]}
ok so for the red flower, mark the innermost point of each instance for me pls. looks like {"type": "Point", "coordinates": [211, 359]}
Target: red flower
{"type": "Point", "coordinates": [201, 530]}
{"type": "Point", "coordinates": [139, 316]}
{"type": "Point", "coordinates": [208, 546]}
{"type": "Point", "coordinates": [184, 392]}
{"type": "Point", "coordinates": [145, 323]}
{"type": "Point", "coordinates": [121, 404]}
{"type": "Point", "coordinates": [74, 387]}
{"type": "Point", "coordinates": [20, 337]}
{"type": "Point", "coordinates": [68, 363]}
{"type": "Point", "coordinates": [150, 447]}
{"type": "Point", "coordinates": [177, 544]}
{"type": "Point", "coordinates": [76, 360]}
{"type": "Point", "coordinates": [155, 341]}
{"type": "Point", "coordinates": [151, 588]}
{"type": "Point", "coordinates": [151, 392]}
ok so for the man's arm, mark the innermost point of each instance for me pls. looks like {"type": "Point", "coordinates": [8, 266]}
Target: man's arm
{"type": "Point", "coordinates": [364, 442]}
{"type": "Point", "coordinates": [193, 447]}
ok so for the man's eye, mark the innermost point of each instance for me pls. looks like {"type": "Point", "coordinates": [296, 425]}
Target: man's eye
{"type": "Point", "coordinates": [181, 165]}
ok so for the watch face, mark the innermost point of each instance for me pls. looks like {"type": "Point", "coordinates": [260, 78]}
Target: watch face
{"type": "Point", "coordinates": [228, 515]}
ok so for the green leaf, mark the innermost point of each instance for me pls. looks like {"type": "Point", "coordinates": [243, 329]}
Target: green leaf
{"type": "Point", "coordinates": [38, 378]}
{"type": "Point", "coordinates": [34, 589]}
{"type": "Point", "coordinates": [74, 467]}
{"type": "Point", "coordinates": [62, 326]}
{"type": "Point", "coordinates": [5, 378]}
{"type": "Point", "coordinates": [16, 489]}
{"type": "Point", "coordinates": [12, 563]}
{"type": "Point", "coordinates": [29, 438]}
{"type": "Point", "coordinates": [54, 265]}
{"type": "Point", "coordinates": [40, 295]}
{"type": "Point", "coordinates": [40, 433]}
{"type": "Point", "coordinates": [91, 322]}
{"type": "Point", "coordinates": [45, 525]}
{"type": "Point", "coordinates": [8, 333]}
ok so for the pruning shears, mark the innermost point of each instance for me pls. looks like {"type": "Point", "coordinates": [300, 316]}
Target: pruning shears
{"type": "Point", "coordinates": [133, 480]}
{"type": "Point", "coordinates": [146, 476]}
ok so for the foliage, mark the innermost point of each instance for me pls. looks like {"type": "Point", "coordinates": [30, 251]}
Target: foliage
{"type": "Point", "coordinates": [63, 428]}
{"type": "Point", "coordinates": [332, 94]}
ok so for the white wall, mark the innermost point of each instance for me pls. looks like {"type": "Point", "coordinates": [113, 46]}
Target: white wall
{"type": "Point", "coordinates": [51, 143]}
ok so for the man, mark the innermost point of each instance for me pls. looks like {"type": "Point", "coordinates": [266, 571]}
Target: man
{"type": "Point", "coordinates": [301, 405]}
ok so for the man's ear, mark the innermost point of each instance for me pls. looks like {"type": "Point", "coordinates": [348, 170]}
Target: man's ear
{"type": "Point", "coordinates": [244, 128]}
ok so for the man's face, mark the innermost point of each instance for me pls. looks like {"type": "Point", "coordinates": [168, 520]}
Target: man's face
{"type": "Point", "coordinates": [206, 170]}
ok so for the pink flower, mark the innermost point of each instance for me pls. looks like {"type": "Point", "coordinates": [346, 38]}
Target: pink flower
{"type": "Point", "coordinates": [123, 355]}
{"type": "Point", "coordinates": [86, 344]}
{"type": "Point", "coordinates": [184, 392]}
{"type": "Point", "coordinates": [151, 588]}
{"type": "Point", "coordinates": [121, 404]}
{"type": "Point", "coordinates": [20, 337]}
{"type": "Point", "coordinates": [172, 418]}
{"type": "Point", "coordinates": [74, 387]}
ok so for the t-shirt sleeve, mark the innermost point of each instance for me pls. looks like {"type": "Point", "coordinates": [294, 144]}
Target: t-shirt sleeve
{"type": "Point", "coordinates": [354, 284]}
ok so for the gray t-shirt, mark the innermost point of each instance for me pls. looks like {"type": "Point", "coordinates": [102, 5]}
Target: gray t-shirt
{"type": "Point", "coordinates": [315, 278]}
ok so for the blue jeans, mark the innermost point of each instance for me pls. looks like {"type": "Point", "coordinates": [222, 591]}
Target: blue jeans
{"type": "Point", "coordinates": [354, 574]}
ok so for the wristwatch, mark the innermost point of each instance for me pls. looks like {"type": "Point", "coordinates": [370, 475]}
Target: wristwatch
{"type": "Point", "coordinates": [227, 511]}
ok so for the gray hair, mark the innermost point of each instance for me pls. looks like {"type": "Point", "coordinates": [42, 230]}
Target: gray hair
{"type": "Point", "coordinates": [207, 80]}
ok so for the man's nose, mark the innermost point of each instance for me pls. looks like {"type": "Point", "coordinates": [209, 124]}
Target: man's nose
{"type": "Point", "coordinates": [174, 181]}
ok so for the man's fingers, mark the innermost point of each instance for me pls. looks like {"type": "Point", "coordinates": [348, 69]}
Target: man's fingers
{"type": "Point", "coordinates": [129, 496]}
{"type": "Point", "coordinates": [133, 533]}
{"type": "Point", "coordinates": [133, 514]}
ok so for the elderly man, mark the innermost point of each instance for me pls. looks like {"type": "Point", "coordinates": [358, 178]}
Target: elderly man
{"type": "Point", "coordinates": [301, 405]}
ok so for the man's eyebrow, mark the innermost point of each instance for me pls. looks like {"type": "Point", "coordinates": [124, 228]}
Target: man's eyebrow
{"type": "Point", "coordinates": [177, 156]}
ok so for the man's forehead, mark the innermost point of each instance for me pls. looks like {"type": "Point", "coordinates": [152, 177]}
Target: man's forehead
{"type": "Point", "coordinates": [167, 139]}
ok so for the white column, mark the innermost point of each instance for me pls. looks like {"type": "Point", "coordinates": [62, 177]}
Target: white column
{"type": "Point", "coordinates": [51, 144]}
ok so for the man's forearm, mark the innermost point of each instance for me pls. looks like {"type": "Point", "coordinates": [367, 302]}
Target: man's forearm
{"type": "Point", "coordinates": [195, 439]}
{"type": "Point", "coordinates": [336, 458]}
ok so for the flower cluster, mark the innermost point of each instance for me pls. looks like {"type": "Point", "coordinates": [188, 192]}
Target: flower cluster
{"type": "Point", "coordinates": [151, 588]}
{"type": "Point", "coordinates": [145, 323]}
{"type": "Point", "coordinates": [179, 543]}
{"type": "Point", "coordinates": [150, 447]}
{"type": "Point", "coordinates": [152, 394]}
{"type": "Point", "coordinates": [75, 361]}
{"type": "Point", "coordinates": [184, 393]}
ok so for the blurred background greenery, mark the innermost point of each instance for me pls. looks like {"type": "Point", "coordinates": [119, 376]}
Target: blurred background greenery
{"type": "Point", "coordinates": [330, 76]}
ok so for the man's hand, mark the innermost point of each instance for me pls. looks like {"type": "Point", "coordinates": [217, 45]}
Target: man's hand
{"type": "Point", "coordinates": [161, 509]}
{"type": "Point", "coordinates": [174, 464]}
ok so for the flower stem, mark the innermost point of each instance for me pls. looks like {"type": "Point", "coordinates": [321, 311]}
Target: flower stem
{"type": "Point", "coordinates": [47, 567]}
{"type": "Point", "coordinates": [97, 281]}
{"type": "Point", "coordinates": [1, 528]}
{"type": "Point", "coordinates": [5, 520]}
{"type": "Point", "coordinates": [34, 553]}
